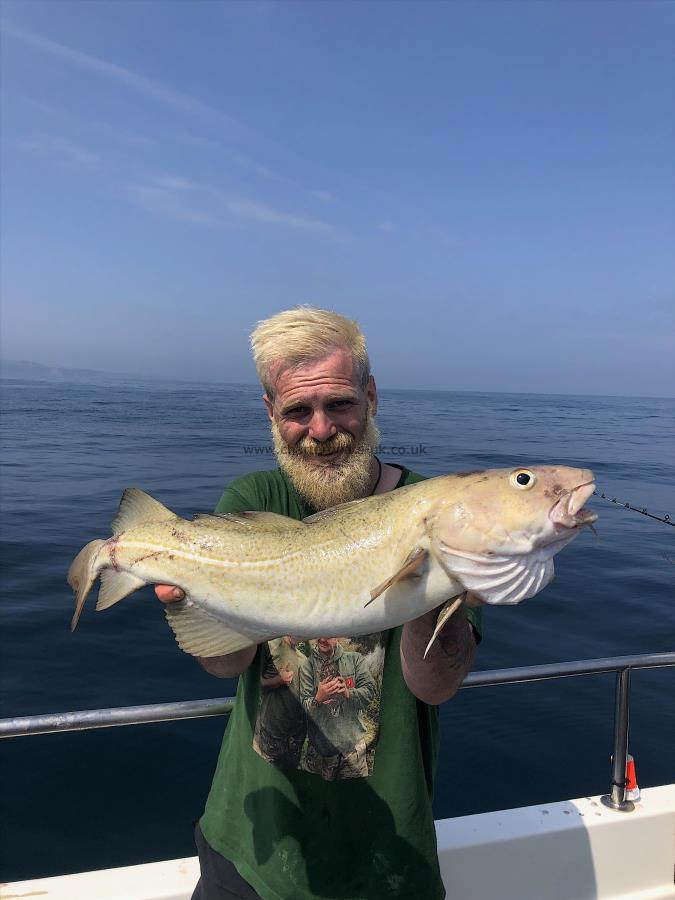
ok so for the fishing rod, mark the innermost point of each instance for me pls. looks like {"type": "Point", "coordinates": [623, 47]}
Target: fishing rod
{"type": "Point", "coordinates": [665, 519]}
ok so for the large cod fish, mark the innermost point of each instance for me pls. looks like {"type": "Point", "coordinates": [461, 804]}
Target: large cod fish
{"type": "Point", "coordinates": [354, 569]}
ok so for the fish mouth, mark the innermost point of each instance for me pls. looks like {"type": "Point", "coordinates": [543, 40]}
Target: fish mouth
{"type": "Point", "coordinates": [569, 511]}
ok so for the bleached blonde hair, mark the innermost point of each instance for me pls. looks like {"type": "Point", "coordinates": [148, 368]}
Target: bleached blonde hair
{"type": "Point", "coordinates": [304, 334]}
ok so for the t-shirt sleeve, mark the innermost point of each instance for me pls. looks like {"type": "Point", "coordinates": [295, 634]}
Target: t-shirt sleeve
{"type": "Point", "coordinates": [475, 616]}
{"type": "Point", "coordinates": [269, 670]}
{"type": "Point", "coordinates": [240, 495]}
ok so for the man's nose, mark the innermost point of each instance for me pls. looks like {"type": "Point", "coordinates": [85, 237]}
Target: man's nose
{"type": "Point", "coordinates": [321, 427]}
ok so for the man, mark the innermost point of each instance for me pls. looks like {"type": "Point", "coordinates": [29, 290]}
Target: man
{"type": "Point", "coordinates": [281, 726]}
{"type": "Point", "coordinates": [336, 686]}
{"type": "Point", "coordinates": [289, 833]}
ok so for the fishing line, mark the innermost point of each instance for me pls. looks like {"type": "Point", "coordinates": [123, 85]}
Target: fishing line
{"type": "Point", "coordinates": [665, 519]}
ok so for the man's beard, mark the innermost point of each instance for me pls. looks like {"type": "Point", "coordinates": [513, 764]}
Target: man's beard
{"type": "Point", "coordinates": [344, 478]}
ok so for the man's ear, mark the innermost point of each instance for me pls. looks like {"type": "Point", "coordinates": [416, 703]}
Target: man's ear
{"type": "Point", "coordinates": [371, 393]}
{"type": "Point", "coordinates": [270, 406]}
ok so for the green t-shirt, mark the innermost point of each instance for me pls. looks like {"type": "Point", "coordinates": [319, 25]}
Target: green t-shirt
{"type": "Point", "coordinates": [356, 825]}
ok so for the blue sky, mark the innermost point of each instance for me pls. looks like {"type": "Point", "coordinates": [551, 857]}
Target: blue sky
{"type": "Point", "coordinates": [488, 187]}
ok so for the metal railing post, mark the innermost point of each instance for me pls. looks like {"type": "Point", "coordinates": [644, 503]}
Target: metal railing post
{"type": "Point", "coordinates": [616, 799]}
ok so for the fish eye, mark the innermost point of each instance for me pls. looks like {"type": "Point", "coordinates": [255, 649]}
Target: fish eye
{"type": "Point", "coordinates": [523, 479]}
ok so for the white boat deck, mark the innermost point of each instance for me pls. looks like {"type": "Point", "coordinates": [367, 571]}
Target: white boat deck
{"type": "Point", "coordinates": [575, 850]}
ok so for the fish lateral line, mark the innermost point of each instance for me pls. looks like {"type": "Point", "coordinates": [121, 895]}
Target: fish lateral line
{"type": "Point", "coordinates": [206, 560]}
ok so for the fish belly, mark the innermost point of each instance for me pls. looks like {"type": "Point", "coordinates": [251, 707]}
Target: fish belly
{"type": "Point", "coordinates": [314, 612]}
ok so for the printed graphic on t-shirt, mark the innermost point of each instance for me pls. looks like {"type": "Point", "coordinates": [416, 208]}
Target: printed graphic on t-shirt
{"type": "Point", "coordinates": [320, 704]}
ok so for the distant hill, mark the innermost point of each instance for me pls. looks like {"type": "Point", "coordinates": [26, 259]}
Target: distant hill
{"type": "Point", "coordinates": [31, 371]}
{"type": "Point", "coordinates": [25, 370]}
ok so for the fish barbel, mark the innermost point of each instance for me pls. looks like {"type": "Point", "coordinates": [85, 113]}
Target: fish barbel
{"type": "Point", "coordinates": [357, 568]}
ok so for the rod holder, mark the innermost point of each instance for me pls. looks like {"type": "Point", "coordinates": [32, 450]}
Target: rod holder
{"type": "Point", "coordinates": [616, 799]}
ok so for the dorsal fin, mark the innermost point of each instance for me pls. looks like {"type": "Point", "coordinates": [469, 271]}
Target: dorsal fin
{"type": "Point", "coordinates": [250, 521]}
{"type": "Point", "coordinates": [332, 510]}
{"type": "Point", "coordinates": [136, 508]}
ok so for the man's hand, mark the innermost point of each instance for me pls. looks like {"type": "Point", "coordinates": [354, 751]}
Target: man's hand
{"type": "Point", "coordinates": [286, 675]}
{"type": "Point", "coordinates": [343, 689]}
{"type": "Point", "coordinates": [167, 593]}
{"type": "Point", "coordinates": [438, 677]}
{"type": "Point", "coordinates": [327, 688]}
{"type": "Point", "coordinates": [281, 680]}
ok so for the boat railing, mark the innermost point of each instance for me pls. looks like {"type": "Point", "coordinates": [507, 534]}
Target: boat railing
{"type": "Point", "coordinates": [83, 720]}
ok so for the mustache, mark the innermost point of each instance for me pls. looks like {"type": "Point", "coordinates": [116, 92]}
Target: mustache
{"type": "Point", "coordinates": [309, 446]}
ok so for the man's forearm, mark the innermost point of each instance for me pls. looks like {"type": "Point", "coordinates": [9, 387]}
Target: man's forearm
{"type": "Point", "coordinates": [438, 677]}
{"type": "Point", "coordinates": [273, 683]}
{"type": "Point", "coordinates": [229, 666]}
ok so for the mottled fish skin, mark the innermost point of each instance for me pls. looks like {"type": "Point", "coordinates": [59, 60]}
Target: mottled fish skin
{"type": "Point", "coordinates": [258, 576]}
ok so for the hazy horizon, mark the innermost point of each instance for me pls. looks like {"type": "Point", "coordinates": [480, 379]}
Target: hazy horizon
{"type": "Point", "coordinates": [107, 373]}
{"type": "Point", "coordinates": [488, 188]}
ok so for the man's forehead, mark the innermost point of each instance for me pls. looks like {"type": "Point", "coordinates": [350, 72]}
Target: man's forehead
{"type": "Point", "coordinates": [336, 372]}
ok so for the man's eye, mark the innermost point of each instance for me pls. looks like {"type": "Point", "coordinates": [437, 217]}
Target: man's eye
{"type": "Point", "coordinates": [296, 412]}
{"type": "Point", "coordinates": [341, 404]}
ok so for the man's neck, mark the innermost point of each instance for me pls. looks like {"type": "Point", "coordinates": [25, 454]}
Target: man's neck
{"type": "Point", "coordinates": [389, 480]}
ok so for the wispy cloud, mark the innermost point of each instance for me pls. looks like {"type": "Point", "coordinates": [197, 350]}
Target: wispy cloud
{"type": "Point", "coordinates": [174, 183]}
{"type": "Point", "coordinates": [128, 138]}
{"type": "Point", "coordinates": [63, 151]}
{"type": "Point", "coordinates": [170, 196]}
{"type": "Point", "coordinates": [248, 162]}
{"type": "Point", "coordinates": [188, 201]}
{"type": "Point", "coordinates": [63, 119]}
{"type": "Point", "coordinates": [171, 202]}
{"type": "Point", "coordinates": [168, 96]}
{"type": "Point", "coordinates": [257, 212]}
{"type": "Point", "coordinates": [262, 171]}
{"type": "Point", "coordinates": [147, 87]}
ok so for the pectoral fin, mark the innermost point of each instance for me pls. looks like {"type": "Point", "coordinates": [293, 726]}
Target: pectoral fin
{"type": "Point", "coordinates": [448, 609]}
{"type": "Point", "coordinates": [115, 586]}
{"type": "Point", "coordinates": [411, 568]}
{"type": "Point", "coordinates": [201, 634]}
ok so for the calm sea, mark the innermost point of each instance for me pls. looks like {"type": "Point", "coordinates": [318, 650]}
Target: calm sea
{"type": "Point", "coordinates": [128, 795]}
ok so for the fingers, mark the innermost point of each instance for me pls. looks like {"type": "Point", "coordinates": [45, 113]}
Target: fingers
{"type": "Point", "coordinates": [167, 593]}
{"type": "Point", "coordinates": [327, 688]}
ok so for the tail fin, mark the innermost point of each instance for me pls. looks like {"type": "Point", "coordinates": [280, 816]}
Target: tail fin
{"type": "Point", "coordinates": [81, 575]}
